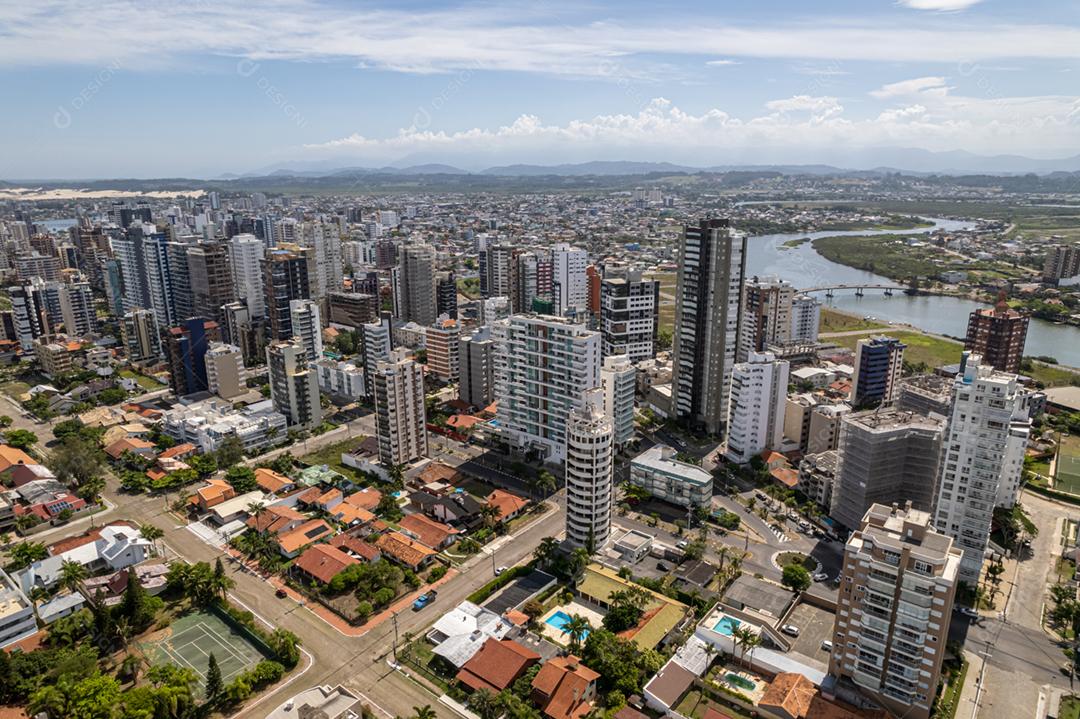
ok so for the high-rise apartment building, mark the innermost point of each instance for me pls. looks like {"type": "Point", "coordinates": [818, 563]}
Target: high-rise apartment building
{"type": "Point", "coordinates": [712, 264]}
{"type": "Point", "coordinates": [543, 365]}
{"type": "Point", "coordinates": [998, 335]}
{"type": "Point", "coordinates": [247, 333]}
{"type": "Point", "coordinates": [245, 258]}
{"type": "Point", "coordinates": [307, 327]}
{"type": "Point", "coordinates": [186, 347]}
{"type": "Point", "coordinates": [476, 368]}
{"type": "Point", "coordinates": [569, 283]}
{"type": "Point", "coordinates": [628, 314]}
{"type": "Point", "coordinates": [589, 472]}
{"type": "Point", "coordinates": [139, 331]}
{"type": "Point", "coordinates": [414, 285]}
{"type": "Point", "coordinates": [286, 277]}
{"type": "Point", "coordinates": [767, 314]}
{"type": "Point", "coordinates": [1062, 261]}
{"type": "Point", "coordinates": [378, 340]}
{"type": "Point", "coordinates": [984, 457]}
{"type": "Point", "coordinates": [443, 352]}
{"type": "Point", "coordinates": [758, 397]}
{"type": "Point", "coordinates": [324, 239]}
{"type": "Point", "coordinates": [805, 319]}
{"type": "Point", "coordinates": [400, 420]}
{"type": "Point", "coordinates": [878, 364]}
{"type": "Point", "coordinates": [294, 384]}
{"type": "Point", "coordinates": [352, 309]}
{"type": "Point", "coordinates": [211, 279]}
{"type": "Point", "coordinates": [895, 602]}
{"type": "Point", "coordinates": [885, 456]}
{"type": "Point", "coordinates": [225, 370]}
{"type": "Point", "coordinates": [618, 378]}
{"type": "Point", "coordinates": [446, 293]}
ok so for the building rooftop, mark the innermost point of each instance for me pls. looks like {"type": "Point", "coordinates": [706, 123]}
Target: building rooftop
{"type": "Point", "coordinates": [661, 458]}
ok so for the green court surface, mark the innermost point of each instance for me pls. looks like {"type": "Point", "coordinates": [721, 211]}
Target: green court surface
{"type": "Point", "coordinates": [189, 641]}
{"type": "Point", "coordinates": [1067, 469]}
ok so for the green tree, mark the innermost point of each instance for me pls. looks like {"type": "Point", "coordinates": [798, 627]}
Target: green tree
{"type": "Point", "coordinates": [388, 508]}
{"type": "Point", "coordinates": [20, 438]}
{"type": "Point", "coordinates": [625, 609]}
{"type": "Point", "coordinates": [24, 554]}
{"type": "Point", "coordinates": [796, 578]}
{"type": "Point", "coordinates": [72, 575]}
{"type": "Point", "coordinates": [214, 683]}
{"type": "Point", "coordinates": [241, 478]}
{"type": "Point", "coordinates": [5, 420]}
{"type": "Point", "coordinates": [576, 629]}
{"type": "Point", "coordinates": [424, 712]}
{"type": "Point", "coordinates": [545, 551]}
{"type": "Point", "coordinates": [151, 533]}
{"type": "Point", "coordinates": [203, 464]}
{"type": "Point", "coordinates": [484, 704]}
{"type": "Point", "coordinates": [230, 452]}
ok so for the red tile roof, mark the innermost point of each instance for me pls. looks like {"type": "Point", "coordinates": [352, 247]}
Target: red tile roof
{"type": "Point", "coordinates": [365, 499]}
{"type": "Point", "coordinates": [324, 562]}
{"type": "Point", "coordinates": [430, 533]}
{"type": "Point", "coordinates": [179, 451]}
{"type": "Point", "coordinates": [270, 481]}
{"type": "Point", "coordinates": [496, 665]}
{"type": "Point", "coordinates": [789, 692]}
{"type": "Point", "coordinates": [353, 545]}
{"type": "Point", "coordinates": [561, 687]}
{"type": "Point", "coordinates": [507, 503]}
{"type": "Point", "coordinates": [403, 548]}
{"type": "Point", "coordinates": [307, 533]}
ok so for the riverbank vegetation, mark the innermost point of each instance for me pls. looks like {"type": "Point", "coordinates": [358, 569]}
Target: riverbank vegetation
{"type": "Point", "coordinates": [888, 255]}
{"type": "Point", "coordinates": [837, 321]}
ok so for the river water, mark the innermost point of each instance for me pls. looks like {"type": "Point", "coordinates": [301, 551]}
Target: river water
{"type": "Point", "coordinates": [802, 266]}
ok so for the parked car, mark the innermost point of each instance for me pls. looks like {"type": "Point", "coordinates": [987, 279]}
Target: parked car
{"type": "Point", "coordinates": [660, 566]}
{"type": "Point", "coordinates": [826, 645]}
{"type": "Point", "coordinates": [968, 612]}
{"type": "Point", "coordinates": [499, 571]}
{"type": "Point", "coordinates": [281, 593]}
{"type": "Point", "coordinates": [790, 630]}
{"type": "Point", "coordinates": [819, 576]}
{"type": "Point", "coordinates": [682, 544]}
{"type": "Point", "coordinates": [423, 600]}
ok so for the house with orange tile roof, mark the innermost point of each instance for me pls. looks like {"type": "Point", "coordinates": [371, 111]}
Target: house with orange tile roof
{"type": "Point", "coordinates": [164, 466]}
{"type": "Point", "coordinates": [131, 444]}
{"type": "Point", "coordinates": [509, 505]}
{"type": "Point", "coordinates": [496, 665]}
{"type": "Point", "coordinates": [439, 472]}
{"type": "Point", "coordinates": [463, 422]}
{"type": "Point", "coordinates": [180, 451]}
{"type": "Point", "coordinates": [366, 498]}
{"type": "Point", "coordinates": [564, 688]}
{"type": "Point", "coordinates": [773, 459]}
{"type": "Point", "coordinates": [213, 493]}
{"type": "Point", "coordinates": [351, 516]}
{"type": "Point", "coordinates": [435, 535]}
{"type": "Point", "coordinates": [276, 519]}
{"type": "Point", "coordinates": [10, 456]}
{"type": "Point", "coordinates": [404, 550]}
{"type": "Point", "coordinates": [788, 696]}
{"type": "Point", "coordinates": [273, 482]}
{"type": "Point", "coordinates": [323, 562]}
{"type": "Point", "coordinates": [786, 476]}
{"type": "Point", "coordinates": [329, 499]}
{"type": "Point", "coordinates": [308, 533]}
{"type": "Point", "coordinates": [356, 547]}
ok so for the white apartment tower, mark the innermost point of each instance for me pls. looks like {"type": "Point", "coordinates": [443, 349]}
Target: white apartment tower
{"type": "Point", "coordinates": [570, 284]}
{"type": "Point", "coordinates": [766, 307]}
{"type": "Point", "coordinates": [325, 239]}
{"type": "Point", "coordinates": [758, 402]}
{"type": "Point", "coordinates": [307, 327]}
{"type": "Point", "coordinates": [618, 378]}
{"type": "Point", "coordinates": [589, 462]}
{"type": "Point", "coordinates": [805, 319]}
{"type": "Point", "coordinates": [294, 385]}
{"type": "Point", "coordinates": [225, 370]}
{"type": "Point", "coordinates": [983, 458]}
{"type": "Point", "coordinates": [245, 256]}
{"type": "Point", "coordinates": [400, 421]}
{"type": "Point", "coordinates": [543, 366]}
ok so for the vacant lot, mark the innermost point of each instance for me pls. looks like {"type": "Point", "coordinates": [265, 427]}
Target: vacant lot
{"type": "Point", "coordinates": [1067, 472]}
{"type": "Point", "coordinates": [933, 351]}
{"type": "Point", "coordinates": [835, 321]}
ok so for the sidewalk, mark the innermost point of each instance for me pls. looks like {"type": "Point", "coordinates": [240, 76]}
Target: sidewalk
{"type": "Point", "coordinates": [965, 704]}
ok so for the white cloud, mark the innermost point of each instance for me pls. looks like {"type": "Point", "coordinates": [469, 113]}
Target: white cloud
{"type": "Point", "coordinates": [911, 87]}
{"type": "Point", "coordinates": [722, 63]}
{"type": "Point", "coordinates": [507, 38]}
{"type": "Point", "coordinates": [940, 5]}
{"type": "Point", "coordinates": [990, 126]}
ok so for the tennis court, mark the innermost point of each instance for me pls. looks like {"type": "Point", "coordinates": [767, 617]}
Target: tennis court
{"type": "Point", "coordinates": [1067, 469]}
{"type": "Point", "coordinates": [190, 639]}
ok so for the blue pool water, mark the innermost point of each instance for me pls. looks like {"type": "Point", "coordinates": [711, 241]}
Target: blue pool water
{"type": "Point", "coordinates": [559, 620]}
{"type": "Point", "coordinates": [726, 626]}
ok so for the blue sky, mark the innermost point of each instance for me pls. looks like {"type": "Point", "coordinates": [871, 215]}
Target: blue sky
{"type": "Point", "coordinates": [202, 87]}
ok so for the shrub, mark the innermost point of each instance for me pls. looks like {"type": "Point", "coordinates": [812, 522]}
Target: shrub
{"type": "Point", "coordinates": [437, 572]}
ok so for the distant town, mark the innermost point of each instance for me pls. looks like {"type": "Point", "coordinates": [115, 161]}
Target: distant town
{"type": "Point", "coordinates": [702, 445]}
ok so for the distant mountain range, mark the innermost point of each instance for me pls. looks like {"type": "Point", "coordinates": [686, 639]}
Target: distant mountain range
{"type": "Point", "coordinates": [875, 161]}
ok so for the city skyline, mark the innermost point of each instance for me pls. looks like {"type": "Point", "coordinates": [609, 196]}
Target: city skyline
{"type": "Point", "coordinates": [198, 90]}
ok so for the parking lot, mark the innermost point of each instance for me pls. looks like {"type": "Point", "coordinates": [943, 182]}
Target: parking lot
{"type": "Point", "coordinates": [815, 626]}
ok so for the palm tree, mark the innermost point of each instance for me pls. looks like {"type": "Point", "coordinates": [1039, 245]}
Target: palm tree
{"type": "Point", "coordinates": [723, 552]}
{"type": "Point", "coordinates": [72, 575]}
{"type": "Point", "coordinates": [545, 551]}
{"type": "Point", "coordinates": [751, 642]}
{"type": "Point", "coordinates": [484, 704]}
{"type": "Point", "coordinates": [490, 515]}
{"type": "Point", "coordinates": [255, 508]}
{"type": "Point", "coordinates": [152, 533]}
{"type": "Point", "coordinates": [424, 712]}
{"type": "Point", "coordinates": [576, 629]}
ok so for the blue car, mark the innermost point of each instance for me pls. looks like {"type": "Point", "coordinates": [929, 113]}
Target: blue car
{"type": "Point", "coordinates": [423, 600]}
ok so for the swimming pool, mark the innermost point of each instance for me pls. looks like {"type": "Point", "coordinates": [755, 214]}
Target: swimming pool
{"type": "Point", "coordinates": [726, 626]}
{"type": "Point", "coordinates": [559, 620]}
{"type": "Point", "coordinates": [741, 682]}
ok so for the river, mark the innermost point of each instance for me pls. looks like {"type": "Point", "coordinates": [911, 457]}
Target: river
{"type": "Point", "coordinates": [804, 267]}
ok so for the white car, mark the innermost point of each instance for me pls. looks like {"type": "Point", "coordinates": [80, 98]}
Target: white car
{"type": "Point", "coordinates": [826, 645]}
{"type": "Point", "coordinates": [968, 612]}
{"type": "Point", "coordinates": [499, 571]}
{"type": "Point", "coordinates": [790, 630]}
{"type": "Point", "coordinates": [819, 576]}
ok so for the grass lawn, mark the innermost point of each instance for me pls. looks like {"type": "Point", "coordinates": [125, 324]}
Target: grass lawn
{"type": "Point", "coordinates": [1051, 375]}
{"type": "Point", "coordinates": [888, 255]}
{"type": "Point", "coordinates": [933, 351]}
{"type": "Point", "coordinates": [694, 705]}
{"type": "Point", "coordinates": [330, 455]}
{"type": "Point", "coordinates": [788, 558]}
{"type": "Point", "coordinates": [1070, 708]}
{"type": "Point", "coordinates": [1067, 471]}
{"type": "Point", "coordinates": [946, 705]}
{"type": "Point", "coordinates": [14, 389]}
{"type": "Point", "coordinates": [834, 321]}
{"type": "Point", "coordinates": [147, 383]}
{"type": "Point", "coordinates": [666, 316]}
